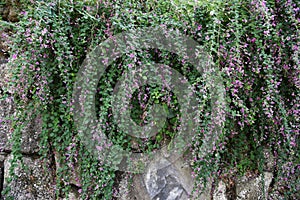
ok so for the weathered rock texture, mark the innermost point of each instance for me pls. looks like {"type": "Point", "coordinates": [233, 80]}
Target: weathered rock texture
{"type": "Point", "coordinates": [220, 192]}
{"type": "Point", "coordinates": [34, 179]}
{"type": "Point", "coordinates": [29, 138]}
{"type": "Point", "coordinates": [164, 184]}
{"type": "Point", "coordinates": [253, 189]}
{"type": "Point", "coordinates": [9, 10]}
{"type": "Point", "coordinates": [166, 180]}
{"type": "Point", "coordinates": [163, 179]}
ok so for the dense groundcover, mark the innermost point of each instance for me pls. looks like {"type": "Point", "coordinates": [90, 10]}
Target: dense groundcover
{"type": "Point", "coordinates": [254, 44]}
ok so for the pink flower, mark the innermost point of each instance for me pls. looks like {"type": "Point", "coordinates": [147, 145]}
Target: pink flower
{"type": "Point", "coordinates": [99, 148]}
{"type": "Point", "coordinates": [131, 55]}
{"type": "Point", "coordinates": [253, 40]}
{"type": "Point", "coordinates": [44, 31]}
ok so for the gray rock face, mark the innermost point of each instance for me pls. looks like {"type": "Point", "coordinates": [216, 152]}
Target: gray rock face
{"type": "Point", "coordinates": [29, 138]}
{"type": "Point", "coordinates": [2, 158]}
{"type": "Point", "coordinates": [124, 192]}
{"type": "Point", "coordinates": [252, 189]}
{"type": "Point", "coordinates": [164, 180]}
{"type": "Point", "coordinates": [6, 109]}
{"type": "Point", "coordinates": [220, 192]}
{"type": "Point", "coordinates": [164, 183]}
{"type": "Point", "coordinates": [4, 69]}
{"type": "Point", "coordinates": [32, 182]}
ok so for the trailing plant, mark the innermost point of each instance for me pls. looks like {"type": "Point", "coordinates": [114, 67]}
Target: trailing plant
{"type": "Point", "coordinates": [254, 44]}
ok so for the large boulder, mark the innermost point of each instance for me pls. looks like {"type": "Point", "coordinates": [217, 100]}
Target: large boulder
{"type": "Point", "coordinates": [164, 178]}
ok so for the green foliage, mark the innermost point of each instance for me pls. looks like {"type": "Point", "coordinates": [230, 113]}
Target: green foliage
{"type": "Point", "coordinates": [255, 44]}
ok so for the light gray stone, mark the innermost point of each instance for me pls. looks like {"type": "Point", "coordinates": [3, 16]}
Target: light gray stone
{"type": "Point", "coordinates": [252, 189]}
{"type": "Point", "coordinates": [168, 180]}
{"type": "Point", "coordinates": [124, 192]}
{"type": "Point", "coordinates": [30, 133]}
{"type": "Point", "coordinates": [5, 75]}
{"type": "Point", "coordinates": [220, 191]}
{"type": "Point", "coordinates": [29, 138]}
{"type": "Point", "coordinates": [31, 183]}
{"type": "Point", "coordinates": [6, 109]}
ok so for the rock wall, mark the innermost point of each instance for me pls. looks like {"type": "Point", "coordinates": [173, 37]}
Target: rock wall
{"type": "Point", "coordinates": [36, 177]}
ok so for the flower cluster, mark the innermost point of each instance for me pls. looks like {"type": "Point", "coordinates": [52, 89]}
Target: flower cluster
{"type": "Point", "coordinates": [254, 44]}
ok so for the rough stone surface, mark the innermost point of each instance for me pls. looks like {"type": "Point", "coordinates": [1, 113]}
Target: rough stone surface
{"type": "Point", "coordinates": [30, 137]}
{"type": "Point", "coordinates": [165, 180]}
{"type": "Point", "coordinates": [252, 189]}
{"type": "Point", "coordinates": [124, 192]}
{"type": "Point", "coordinates": [9, 10]}
{"type": "Point", "coordinates": [73, 195]}
{"type": "Point", "coordinates": [220, 192]}
{"type": "Point", "coordinates": [6, 109]}
{"type": "Point", "coordinates": [32, 182]}
{"type": "Point", "coordinates": [2, 158]}
{"type": "Point", "coordinates": [6, 106]}
{"type": "Point", "coordinates": [30, 133]}
{"type": "Point", "coordinates": [74, 175]}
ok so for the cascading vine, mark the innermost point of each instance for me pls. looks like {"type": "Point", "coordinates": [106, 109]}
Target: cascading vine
{"type": "Point", "coordinates": [254, 43]}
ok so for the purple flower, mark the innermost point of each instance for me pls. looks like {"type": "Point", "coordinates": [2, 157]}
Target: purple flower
{"type": "Point", "coordinates": [131, 55]}
{"type": "Point", "coordinates": [44, 31]}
